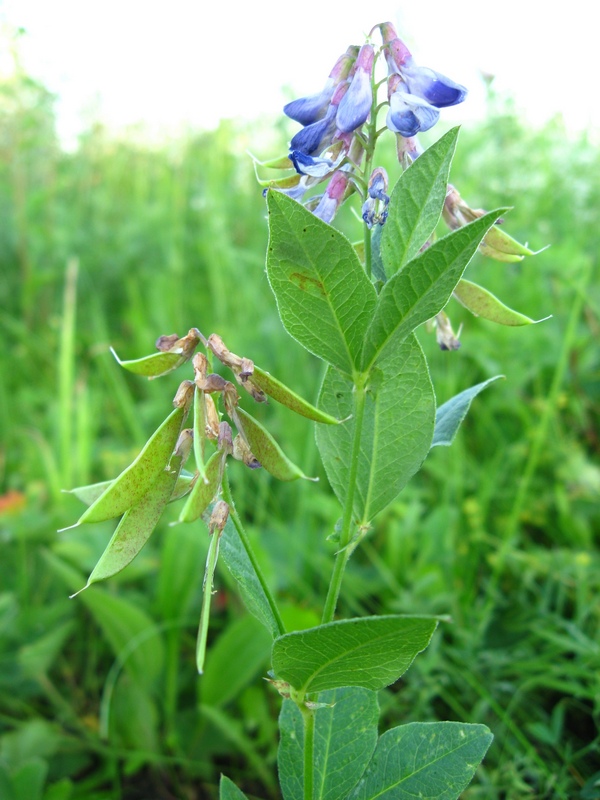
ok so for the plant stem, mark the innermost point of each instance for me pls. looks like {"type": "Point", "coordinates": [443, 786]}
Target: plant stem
{"type": "Point", "coordinates": [250, 553]}
{"type": "Point", "coordinates": [343, 552]}
{"type": "Point", "coordinates": [308, 715]}
{"type": "Point", "coordinates": [209, 572]}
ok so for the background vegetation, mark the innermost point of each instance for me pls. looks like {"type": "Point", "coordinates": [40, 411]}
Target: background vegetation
{"type": "Point", "coordinates": [119, 242]}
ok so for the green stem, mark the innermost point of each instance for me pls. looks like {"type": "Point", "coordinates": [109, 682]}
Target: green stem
{"type": "Point", "coordinates": [250, 553]}
{"type": "Point", "coordinates": [209, 572]}
{"type": "Point", "coordinates": [343, 553]}
{"type": "Point", "coordinates": [308, 715]}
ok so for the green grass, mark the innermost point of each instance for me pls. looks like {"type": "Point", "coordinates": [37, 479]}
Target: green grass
{"type": "Point", "coordinates": [98, 696]}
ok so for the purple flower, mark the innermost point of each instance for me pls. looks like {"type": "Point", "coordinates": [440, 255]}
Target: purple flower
{"type": "Point", "coordinates": [355, 105]}
{"type": "Point", "coordinates": [307, 110]}
{"type": "Point", "coordinates": [315, 167]}
{"type": "Point", "coordinates": [314, 138]}
{"type": "Point", "coordinates": [408, 114]}
{"type": "Point", "coordinates": [437, 89]}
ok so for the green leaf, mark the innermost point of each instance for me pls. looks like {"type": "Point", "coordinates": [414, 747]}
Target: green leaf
{"type": "Point", "coordinates": [132, 635]}
{"type": "Point", "coordinates": [416, 204]}
{"type": "Point", "coordinates": [235, 557]}
{"type": "Point", "coordinates": [135, 481]}
{"type": "Point", "coordinates": [136, 526]}
{"type": "Point", "coordinates": [450, 415]}
{"type": "Point", "coordinates": [134, 719]}
{"type": "Point", "coordinates": [229, 791]}
{"type": "Point", "coordinates": [284, 395]}
{"type": "Point", "coordinates": [420, 290]}
{"type": "Point", "coordinates": [372, 652]}
{"type": "Point", "coordinates": [234, 660]}
{"type": "Point", "coordinates": [323, 294]}
{"type": "Point", "coordinates": [484, 304]}
{"type": "Point", "coordinates": [290, 753]}
{"type": "Point", "coordinates": [397, 429]}
{"type": "Point", "coordinates": [434, 760]}
{"type": "Point", "coordinates": [266, 449]}
{"type": "Point", "coordinates": [28, 779]}
{"type": "Point", "coordinates": [345, 738]}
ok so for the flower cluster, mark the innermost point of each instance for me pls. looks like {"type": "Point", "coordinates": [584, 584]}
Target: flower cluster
{"type": "Point", "coordinates": [335, 145]}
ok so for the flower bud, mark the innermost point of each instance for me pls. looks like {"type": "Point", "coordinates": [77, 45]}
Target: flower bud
{"type": "Point", "coordinates": [374, 210]}
{"type": "Point", "coordinates": [334, 196]}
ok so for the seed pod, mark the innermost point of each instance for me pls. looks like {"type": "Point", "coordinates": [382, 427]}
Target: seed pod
{"type": "Point", "coordinates": [203, 491]}
{"type": "Point", "coordinates": [173, 353]}
{"type": "Point", "coordinates": [88, 494]}
{"type": "Point", "coordinates": [133, 483]}
{"type": "Point", "coordinates": [266, 449]}
{"type": "Point", "coordinates": [137, 525]}
{"type": "Point", "coordinates": [284, 395]}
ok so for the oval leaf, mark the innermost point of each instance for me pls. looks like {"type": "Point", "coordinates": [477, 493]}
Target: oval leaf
{"type": "Point", "coordinates": [266, 449]}
{"type": "Point", "coordinates": [424, 759]}
{"type": "Point", "coordinates": [235, 557]}
{"type": "Point", "coordinates": [280, 392]}
{"type": "Point", "coordinates": [416, 204]}
{"type": "Point", "coordinates": [396, 434]}
{"type": "Point", "coordinates": [372, 652]}
{"type": "Point", "coordinates": [345, 738]}
{"type": "Point", "coordinates": [484, 304]}
{"type": "Point", "coordinates": [323, 294]}
{"type": "Point", "coordinates": [422, 288]}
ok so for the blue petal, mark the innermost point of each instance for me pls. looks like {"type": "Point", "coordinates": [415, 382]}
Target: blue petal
{"type": "Point", "coordinates": [307, 110]}
{"type": "Point", "coordinates": [355, 105]}
{"type": "Point", "coordinates": [314, 138]}
{"type": "Point", "coordinates": [409, 114]}
{"type": "Point", "coordinates": [437, 89]}
{"type": "Point", "coordinates": [307, 165]}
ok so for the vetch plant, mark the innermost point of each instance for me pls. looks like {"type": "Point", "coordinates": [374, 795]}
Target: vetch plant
{"type": "Point", "coordinates": [356, 306]}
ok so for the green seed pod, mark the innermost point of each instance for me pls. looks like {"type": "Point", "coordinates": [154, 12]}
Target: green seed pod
{"type": "Point", "coordinates": [284, 395]}
{"type": "Point", "coordinates": [266, 449]}
{"type": "Point", "coordinates": [138, 523]}
{"type": "Point", "coordinates": [203, 490]}
{"type": "Point", "coordinates": [173, 353]}
{"type": "Point", "coordinates": [88, 494]}
{"type": "Point", "coordinates": [131, 485]}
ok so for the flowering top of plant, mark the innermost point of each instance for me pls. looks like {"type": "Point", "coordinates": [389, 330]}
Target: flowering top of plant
{"type": "Point", "coordinates": [339, 133]}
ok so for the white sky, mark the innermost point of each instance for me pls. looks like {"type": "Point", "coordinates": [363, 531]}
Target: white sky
{"type": "Point", "coordinates": [196, 61]}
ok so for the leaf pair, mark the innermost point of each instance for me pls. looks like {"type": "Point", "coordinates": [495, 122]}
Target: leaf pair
{"type": "Point", "coordinates": [347, 662]}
